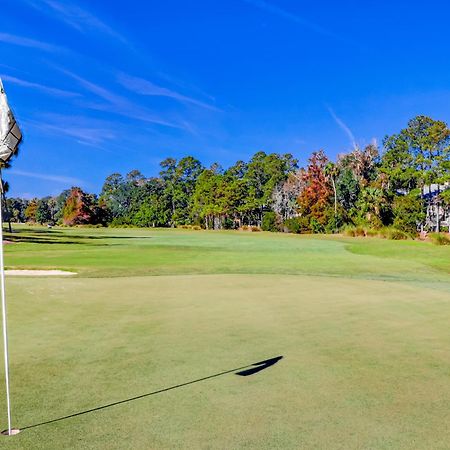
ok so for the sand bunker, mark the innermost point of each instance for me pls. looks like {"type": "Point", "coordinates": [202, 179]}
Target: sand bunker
{"type": "Point", "coordinates": [38, 273]}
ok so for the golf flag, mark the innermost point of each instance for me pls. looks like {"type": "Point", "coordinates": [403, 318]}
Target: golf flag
{"type": "Point", "coordinates": [10, 137]}
{"type": "Point", "coordinates": [10, 134]}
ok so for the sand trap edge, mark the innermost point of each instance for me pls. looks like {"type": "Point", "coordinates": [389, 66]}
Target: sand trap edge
{"type": "Point", "coordinates": [38, 273]}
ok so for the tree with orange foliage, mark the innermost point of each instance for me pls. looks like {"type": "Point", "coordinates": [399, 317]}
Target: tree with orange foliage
{"type": "Point", "coordinates": [315, 198]}
{"type": "Point", "coordinates": [77, 209]}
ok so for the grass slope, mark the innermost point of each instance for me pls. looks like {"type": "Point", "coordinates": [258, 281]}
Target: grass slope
{"type": "Point", "coordinates": [118, 252]}
{"type": "Point", "coordinates": [362, 325]}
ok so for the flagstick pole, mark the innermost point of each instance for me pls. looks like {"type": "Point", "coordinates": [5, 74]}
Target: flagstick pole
{"type": "Point", "coordinates": [3, 296]}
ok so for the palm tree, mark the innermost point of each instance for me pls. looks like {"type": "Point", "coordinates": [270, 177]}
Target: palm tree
{"type": "Point", "coordinates": [373, 202]}
{"type": "Point", "coordinates": [4, 189]}
{"type": "Point", "coordinates": [331, 173]}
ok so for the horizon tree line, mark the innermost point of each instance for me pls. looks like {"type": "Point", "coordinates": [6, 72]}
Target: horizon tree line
{"type": "Point", "coordinates": [404, 186]}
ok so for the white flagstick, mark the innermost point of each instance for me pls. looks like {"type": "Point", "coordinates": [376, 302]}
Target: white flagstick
{"type": "Point", "coordinates": [5, 330]}
{"type": "Point", "coordinates": [10, 138]}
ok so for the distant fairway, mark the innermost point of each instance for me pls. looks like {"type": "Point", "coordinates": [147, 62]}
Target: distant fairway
{"type": "Point", "coordinates": [363, 326]}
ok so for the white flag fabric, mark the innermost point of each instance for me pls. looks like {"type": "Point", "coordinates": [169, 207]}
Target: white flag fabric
{"type": "Point", "coordinates": [10, 134]}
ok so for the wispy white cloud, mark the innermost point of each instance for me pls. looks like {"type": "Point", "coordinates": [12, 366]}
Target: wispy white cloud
{"type": "Point", "coordinates": [76, 17]}
{"type": "Point", "coordinates": [30, 43]}
{"type": "Point", "coordinates": [341, 124]}
{"type": "Point", "coordinates": [84, 135]}
{"type": "Point", "coordinates": [120, 105]}
{"type": "Point", "coordinates": [40, 87]}
{"type": "Point", "coordinates": [86, 131]}
{"type": "Point", "coordinates": [47, 177]}
{"type": "Point", "coordinates": [183, 84]}
{"type": "Point", "coordinates": [7, 66]}
{"type": "Point", "coordinates": [107, 100]}
{"type": "Point", "coordinates": [145, 87]}
{"type": "Point", "coordinates": [276, 10]}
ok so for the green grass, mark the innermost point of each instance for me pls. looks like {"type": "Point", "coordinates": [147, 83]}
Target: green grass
{"type": "Point", "coordinates": [119, 252]}
{"type": "Point", "coordinates": [363, 325]}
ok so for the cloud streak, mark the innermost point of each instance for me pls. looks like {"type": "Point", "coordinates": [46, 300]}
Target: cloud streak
{"type": "Point", "coordinates": [75, 17]}
{"type": "Point", "coordinates": [273, 9]}
{"type": "Point", "coordinates": [40, 87]}
{"type": "Point", "coordinates": [144, 87]}
{"type": "Point", "coordinates": [120, 105]}
{"type": "Point", "coordinates": [21, 41]}
{"type": "Point", "coordinates": [85, 130]}
{"type": "Point", "coordinates": [47, 177]}
{"type": "Point", "coordinates": [84, 135]}
{"type": "Point", "coordinates": [340, 123]}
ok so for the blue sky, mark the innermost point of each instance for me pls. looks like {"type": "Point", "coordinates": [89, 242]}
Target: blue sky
{"type": "Point", "coordinates": [109, 86]}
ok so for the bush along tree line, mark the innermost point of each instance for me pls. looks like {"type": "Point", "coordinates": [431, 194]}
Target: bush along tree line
{"type": "Point", "coordinates": [405, 187]}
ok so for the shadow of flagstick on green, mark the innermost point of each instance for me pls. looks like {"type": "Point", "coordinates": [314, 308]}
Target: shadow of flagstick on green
{"type": "Point", "coordinates": [243, 371]}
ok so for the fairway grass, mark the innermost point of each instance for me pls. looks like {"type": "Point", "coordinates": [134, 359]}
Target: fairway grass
{"type": "Point", "coordinates": [362, 325]}
{"type": "Point", "coordinates": [134, 252]}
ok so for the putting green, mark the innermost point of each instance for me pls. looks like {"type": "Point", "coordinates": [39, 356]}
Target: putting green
{"type": "Point", "coordinates": [366, 357]}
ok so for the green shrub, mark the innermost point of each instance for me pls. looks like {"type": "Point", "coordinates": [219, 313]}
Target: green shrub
{"type": "Point", "coordinates": [440, 239]}
{"type": "Point", "coordinates": [353, 231]}
{"type": "Point", "coordinates": [408, 213]}
{"type": "Point", "coordinates": [349, 230]}
{"type": "Point", "coordinates": [386, 233]}
{"type": "Point", "coordinates": [269, 221]}
{"type": "Point", "coordinates": [189, 227]}
{"type": "Point", "coordinates": [397, 235]}
{"type": "Point", "coordinates": [316, 227]}
{"type": "Point", "coordinates": [97, 225]}
{"type": "Point", "coordinates": [291, 226]}
{"type": "Point", "coordinates": [334, 224]}
{"type": "Point", "coordinates": [120, 222]}
{"type": "Point", "coordinates": [393, 234]}
{"type": "Point", "coordinates": [296, 225]}
{"type": "Point", "coordinates": [229, 224]}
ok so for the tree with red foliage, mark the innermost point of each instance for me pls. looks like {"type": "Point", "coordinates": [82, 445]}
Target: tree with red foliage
{"type": "Point", "coordinates": [315, 198]}
{"type": "Point", "coordinates": [78, 208]}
